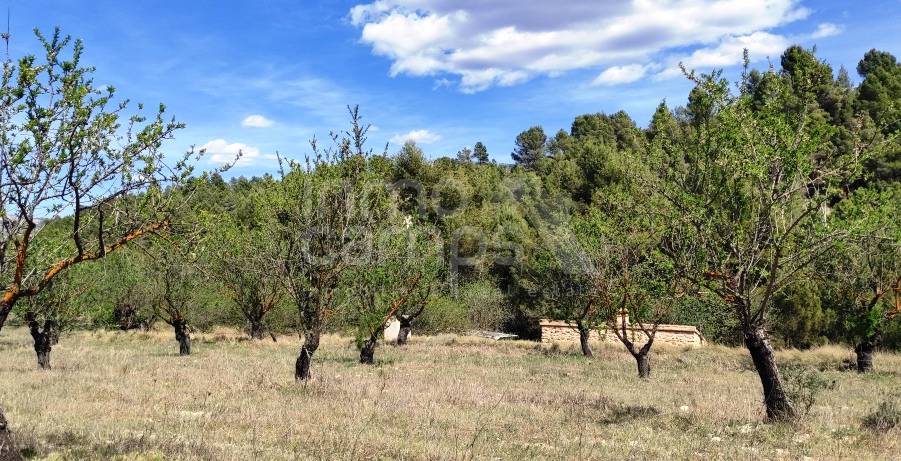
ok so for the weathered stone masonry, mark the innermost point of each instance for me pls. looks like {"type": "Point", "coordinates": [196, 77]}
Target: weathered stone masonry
{"type": "Point", "coordinates": [673, 335]}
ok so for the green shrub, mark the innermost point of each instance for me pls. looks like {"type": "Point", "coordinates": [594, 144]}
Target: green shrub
{"type": "Point", "coordinates": [803, 384]}
{"type": "Point", "coordinates": [887, 416]}
{"type": "Point", "coordinates": [486, 305]}
{"type": "Point", "coordinates": [442, 315]}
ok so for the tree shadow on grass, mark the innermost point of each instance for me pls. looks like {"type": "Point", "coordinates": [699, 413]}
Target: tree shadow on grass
{"type": "Point", "coordinates": [621, 413]}
{"type": "Point", "coordinates": [74, 445]}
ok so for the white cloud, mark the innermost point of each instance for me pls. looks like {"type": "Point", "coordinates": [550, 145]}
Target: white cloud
{"type": "Point", "coordinates": [220, 152]}
{"type": "Point", "coordinates": [485, 43]}
{"type": "Point", "coordinates": [826, 29]}
{"type": "Point", "coordinates": [728, 52]}
{"type": "Point", "coordinates": [256, 121]}
{"type": "Point", "coordinates": [417, 136]}
{"type": "Point", "coordinates": [617, 75]}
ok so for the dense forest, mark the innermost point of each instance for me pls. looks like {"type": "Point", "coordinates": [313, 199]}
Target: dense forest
{"type": "Point", "coordinates": [765, 211]}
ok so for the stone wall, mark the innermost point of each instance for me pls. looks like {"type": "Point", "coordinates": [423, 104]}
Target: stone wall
{"type": "Point", "coordinates": [674, 335]}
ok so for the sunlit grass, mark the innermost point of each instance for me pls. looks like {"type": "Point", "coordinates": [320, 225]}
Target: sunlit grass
{"type": "Point", "coordinates": [130, 395]}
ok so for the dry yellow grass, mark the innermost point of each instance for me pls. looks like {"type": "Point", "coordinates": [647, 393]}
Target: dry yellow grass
{"type": "Point", "coordinates": [118, 395]}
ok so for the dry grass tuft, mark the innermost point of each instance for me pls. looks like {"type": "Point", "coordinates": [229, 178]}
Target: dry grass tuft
{"type": "Point", "coordinates": [114, 395]}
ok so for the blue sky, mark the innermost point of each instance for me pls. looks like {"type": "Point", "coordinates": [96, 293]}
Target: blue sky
{"type": "Point", "coordinates": [265, 76]}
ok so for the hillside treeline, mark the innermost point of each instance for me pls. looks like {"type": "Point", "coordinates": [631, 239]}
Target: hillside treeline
{"type": "Point", "coordinates": [494, 219]}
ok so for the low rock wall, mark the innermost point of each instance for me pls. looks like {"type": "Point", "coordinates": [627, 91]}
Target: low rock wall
{"type": "Point", "coordinates": [674, 335]}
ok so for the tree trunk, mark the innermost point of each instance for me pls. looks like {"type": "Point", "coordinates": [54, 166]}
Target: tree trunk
{"type": "Point", "coordinates": [42, 339]}
{"type": "Point", "coordinates": [406, 326]}
{"type": "Point", "coordinates": [584, 333]}
{"type": "Point", "coordinates": [8, 451]}
{"type": "Point", "coordinates": [183, 337]}
{"type": "Point", "coordinates": [255, 329]}
{"type": "Point", "coordinates": [864, 352]}
{"type": "Point", "coordinates": [5, 308]}
{"type": "Point", "coordinates": [53, 332]}
{"type": "Point", "coordinates": [778, 407]}
{"type": "Point", "coordinates": [643, 360]}
{"type": "Point", "coordinates": [367, 352]}
{"type": "Point", "coordinates": [302, 366]}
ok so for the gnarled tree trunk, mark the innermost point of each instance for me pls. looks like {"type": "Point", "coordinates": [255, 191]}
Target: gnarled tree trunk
{"type": "Point", "coordinates": [8, 451]}
{"type": "Point", "coordinates": [53, 331]}
{"type": "Point", "coordinates": [864, 352]}
{"type": "Point", "coordinates": [643, 360]}
{"type": "Point", "coordinates": [584, 334]}
{"type": "Point", "coordinates": [305, 358]}
{"type": "Point", "coordinates": [255, 328]}
{"type": "Point", "coordinates": [367, 352]}
{"type": "Point", "coordinates": [43, 339]}
{"type": "Point", "coordinates": [406, 326]}
{"type": "Point", "coordinates": [5, 308]}
{"type": "Point", "coordinates": [778, 406]}
{"type": "Point", "coordinates": [183, 337]}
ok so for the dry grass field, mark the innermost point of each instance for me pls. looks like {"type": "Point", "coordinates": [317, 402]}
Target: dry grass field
{"type": "Point", "coordinates": [118, 395]}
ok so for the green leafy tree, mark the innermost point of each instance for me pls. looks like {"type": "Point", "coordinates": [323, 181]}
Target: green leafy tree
{"type": "Point", "coordinates": [322, 216]}
{"type": "Point", "coordinates": [808, 77]}
{"type": "Point", "coordinates": [799, 317]}
{"type": "Point", "coordinates": [54, 310]}
{"type": "Point", "coordinates": [67, 147]}
{"type": "Point", "coordinates": [394, 281]}
{"type": "Point", "coordinates": [464, 155]}
{"type": "Point", "coordinates": [172, 279]}
{"type": "Point", "coordinates": [879, 95]}
{"type": "Point", "coordinates": [530, 147]}
{"type": "Point", "coordinates": [865, 272]}
{"type": "Point", "coordinates": [747, 215]}
{"type": "Point", "coordinates": [480, 152]}
{"type": "Point", "coordinates": [64, 150]}
{"type": "Point", "coordinates": [240, 256]}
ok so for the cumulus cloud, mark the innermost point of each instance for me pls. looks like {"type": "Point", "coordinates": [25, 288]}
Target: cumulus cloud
{"type": "Point", "coordinates": [417, 136]}
{"type": "Point", "coordinates": [617, 75]}
{"type": "Point", "coordinates": [220, 152]}
{"type": "Point", "coordinates": [256, 121]}
{"type": "Point", "coordinates": [485, 43]}
{"type": "Point", "coordinates": [826, 29]}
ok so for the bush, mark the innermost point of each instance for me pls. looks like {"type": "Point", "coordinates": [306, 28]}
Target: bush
{"type": "Point", "coordinates": [891, 336]}
{"type": "Point", "coordinates": [799, 317]}
{"type": "Point", "coordinates": [887, 416]}
{"type": "Point", "coordinates": [442, 315]}
{"type": "Point", "coordinates": [713, 318]}
{"type": "Point", "coordinates": [803, 384]}
{"type": "Point", "coordinates": [487, 307]}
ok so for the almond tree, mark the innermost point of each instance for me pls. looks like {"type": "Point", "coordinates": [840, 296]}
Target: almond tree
{"type": "Point", "coordinates": [864, 273]}
{"type": "Point", "coordinates": [322, 215]}
{"type": "Point", "coordinates": [172, 278]}
{"type": "Point", "coordinates": [745, 192]}
{"type": "Point", "coordinates": [244, 260]}
{"type": "Point", "coordinates": [557, 279]}
{"type": "Point", "coordinates": [68, 148]}
{"type": "Point", "coordinates": [54, 310]}
{"type": "Point", "coordinates": [633, 288]}
{"type": "Point", "coordinates": [394, 281]}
